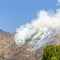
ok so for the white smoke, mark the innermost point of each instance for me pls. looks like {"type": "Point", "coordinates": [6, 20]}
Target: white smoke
{"type": "Point", "coordinates": [42, 24]}
{"type": "Point", "coordinates": [58, 1]}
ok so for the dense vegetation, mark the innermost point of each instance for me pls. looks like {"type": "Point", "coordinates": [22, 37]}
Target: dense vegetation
{"type": "Point", "coordinates": [51, 52]}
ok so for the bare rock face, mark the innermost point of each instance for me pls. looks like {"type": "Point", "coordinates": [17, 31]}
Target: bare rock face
{"type": "Point", "coordinates": [10, 51]}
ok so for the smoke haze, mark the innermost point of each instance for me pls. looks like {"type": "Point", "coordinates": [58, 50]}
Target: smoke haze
{"type": "Point", "coordinates": [43, 24]}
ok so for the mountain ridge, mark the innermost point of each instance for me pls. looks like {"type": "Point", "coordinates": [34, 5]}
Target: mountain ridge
{"type": "Point", "coordinates": [10, 51]}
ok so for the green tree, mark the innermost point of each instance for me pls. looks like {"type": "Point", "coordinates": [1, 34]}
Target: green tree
{"type": "Point", "coordinates": [58, 51]}
{"type": "Point", "coordinates": [49, 51]}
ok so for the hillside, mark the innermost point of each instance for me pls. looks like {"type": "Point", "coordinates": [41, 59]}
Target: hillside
{"type": "Point", "coordinates": [10, 51]}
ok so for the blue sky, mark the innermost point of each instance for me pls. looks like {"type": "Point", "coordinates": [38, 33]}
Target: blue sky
{"type": "Point", "coordinates": [14, 13]}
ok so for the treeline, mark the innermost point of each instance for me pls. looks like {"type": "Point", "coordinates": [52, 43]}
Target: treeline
{"type": "Point", "coordinates": [51, 52]}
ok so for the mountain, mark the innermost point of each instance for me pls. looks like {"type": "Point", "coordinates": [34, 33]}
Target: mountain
{"type": "Point", "coordinates": [3, 32]}
{"type": "Point", "coordinates": [10, 51]}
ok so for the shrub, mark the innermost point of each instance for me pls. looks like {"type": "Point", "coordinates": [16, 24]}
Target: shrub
{"type": "Point", "coordinates": [51, 53]}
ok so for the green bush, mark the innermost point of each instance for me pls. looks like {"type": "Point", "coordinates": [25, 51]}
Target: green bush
{"type": "Point", "coordinates": [51, 53]}
{"type": "Point", "coordinates": [58, 51]}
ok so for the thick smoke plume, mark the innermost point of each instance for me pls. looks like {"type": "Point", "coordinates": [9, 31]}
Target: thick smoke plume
{"type": "Point", "coordinates": [45, 25]}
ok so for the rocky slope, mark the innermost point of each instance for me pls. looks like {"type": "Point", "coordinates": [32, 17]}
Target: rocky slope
{"type": "Point", "coordinates": [10, 51]}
